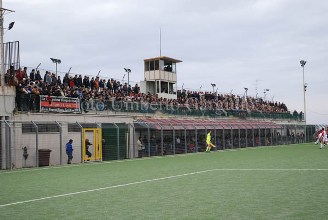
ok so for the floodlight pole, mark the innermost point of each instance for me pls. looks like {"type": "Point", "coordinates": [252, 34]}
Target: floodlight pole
{"type": "Point", "coordinates": [215, 94]}
{"type": "Point", "coordinates": [128, 71]}
{"type": "Point", "coordinates": [2, 74]}
{"type": "Point", "coordinates": [56, 61]}
{"type": "Point", "coordinates": [56, 69]}
{"type": "Point", "coordinates": [2, 58]}
{"type": "Point", "coordinates": [246, 89]}
{"type": "Point", "coordinates": [245, 98]}
{"type": "Point", "coordinates": [303, 62]}
{"type": "Point", "coordinates": [265, 91]}
{"type": "Point", "coordinates": [213, 85]}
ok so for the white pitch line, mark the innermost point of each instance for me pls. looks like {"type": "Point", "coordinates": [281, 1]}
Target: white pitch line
{"type": "Point", "coordinates": [150, 180]}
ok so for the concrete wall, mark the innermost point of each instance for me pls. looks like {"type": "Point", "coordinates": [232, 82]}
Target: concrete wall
{"type": "Point", "coordinates": [55, 141]}
{"type": "Point", "coordinates": [7, 100]}
{"type": "Point", "coordinates": [160, 75]}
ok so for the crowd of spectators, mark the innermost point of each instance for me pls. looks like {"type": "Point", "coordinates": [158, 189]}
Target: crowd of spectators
{"type": "Point", "coordinates": [211, 100]}
{"type": "Point", "coordinates": [86, 88]}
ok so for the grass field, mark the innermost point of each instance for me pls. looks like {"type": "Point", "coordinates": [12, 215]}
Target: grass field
{"type": "Point", "coordinates": [284, 182]}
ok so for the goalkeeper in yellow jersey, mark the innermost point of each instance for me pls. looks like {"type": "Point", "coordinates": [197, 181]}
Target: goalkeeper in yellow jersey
{"type": "Point", "coordinates": [209, 144]}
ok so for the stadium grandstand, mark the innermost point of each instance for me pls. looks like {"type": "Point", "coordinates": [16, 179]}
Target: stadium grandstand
{"type": "Point", "coordinates": [126, 120]}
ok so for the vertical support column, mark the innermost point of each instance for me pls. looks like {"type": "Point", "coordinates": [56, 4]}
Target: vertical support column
{"type": "Point", "coordinates": [238, 137]}
{"type": "Point", "coordinates": [185, 138]}
{"type": "Point", "coordinates": [118, 141]}
{"type": "Point", "coordinates": [2, 142]}
{"type": "Point", "coordinates": [155, 86]}
{"type": "Point", "coordinates": [98, 148]}
{"type": "Point", "coordinates": [246, 137]}
{"type": "Point", "coordinates": [259, 136]}
{"type": "Point", "coordinates": [36, 144]}
{"type": "Point", "coordinates": [271, 136]}
{"type": "Point", "coordinates": [215, 140]}
{"type": "Point", "coordinates": [223, 139]}
{"type": "Point", "coordinates": [206, 136]}
{"type": "Point", "coordinates": [132, 155]}
{"type": "Point", "coordinates": [8, 143]}
{"type": "Point", "coordinates": [2, 74]}
{"type": "Point", "coordinates": [173, 147]}
{"type": "Point", "coordinates": [148, 130]}
{"type": "Point", "coordinates": [162, 145]}
{"type": "Point", "coordinates": [231, 137]}
{"type": "Point", "coordinates": [196, 140]}
{"type": "Point", "coordinates": [265, 137]}
{"type": "Point", "coordinates": [60, 143]}
{"type": "Point", "coordinates": [81, 134]}
{"type": "Point", "coordinates": [253, 136]}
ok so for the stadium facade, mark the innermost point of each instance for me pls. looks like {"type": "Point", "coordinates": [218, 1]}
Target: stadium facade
{"type": "Point", "coordinates": [35, 127]}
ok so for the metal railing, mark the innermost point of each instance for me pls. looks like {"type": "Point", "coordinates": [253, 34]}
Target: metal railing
{"type": "Point", "coordinates": [31, 103]}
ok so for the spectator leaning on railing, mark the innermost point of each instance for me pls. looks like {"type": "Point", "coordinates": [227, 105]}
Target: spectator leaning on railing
{"type": "Point", "coordinates": [97, 88]}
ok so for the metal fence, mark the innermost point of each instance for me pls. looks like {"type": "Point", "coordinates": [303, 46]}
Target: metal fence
{"type": "Point", "coordinates": [29, 143]}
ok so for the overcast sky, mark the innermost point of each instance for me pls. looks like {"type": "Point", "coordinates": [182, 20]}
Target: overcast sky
{"type": "Point", "coordinates": [256, 44]}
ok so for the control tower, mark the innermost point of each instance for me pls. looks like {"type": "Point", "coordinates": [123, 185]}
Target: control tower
{"type": "Point", "coordinates": [160, 77]}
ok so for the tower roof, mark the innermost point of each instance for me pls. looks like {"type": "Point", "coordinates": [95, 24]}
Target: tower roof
{"type": "Point", "coordinates": [164, 58]}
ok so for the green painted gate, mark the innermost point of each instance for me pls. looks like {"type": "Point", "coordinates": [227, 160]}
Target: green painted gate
{"type": "Point", "coordinates": [114, 143]}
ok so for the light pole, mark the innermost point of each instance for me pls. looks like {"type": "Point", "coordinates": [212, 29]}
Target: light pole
{"type": "Point", "coordinates": [264, 92]}
{"type": "Point", "coordinates": [246, 89]}
{"type": "Point", "coordinates": [213, 85]}
{"type": "Point", "coordinates": [2, 58]}
{"type": "Point", "coordinates": [56, 61]}
{"type": "Point", "coordinates": [128, 71]}
{"type": "Point", "coordinates": [245, 98]}
{"type": "Point", "coordinates": [303, 62]}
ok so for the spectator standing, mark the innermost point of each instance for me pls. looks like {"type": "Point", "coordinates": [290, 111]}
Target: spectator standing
{"type": "Point", "coordinates": [53, 80]}
{"type": "Point", "coordinates": [24, 73]}
{"type": "Point", "coordinates": [87, 145]}
{"type": "Point", "coordinates": [79, 81]}
{"type": "Point", "coordinates": [38, 75]}
{"type": "Point", "coordinates": [110, 85]}
{"type": "Point", "coordinates": [48, 78]}
{"type": "Point", "coordinates": [178, 141]}
{"type": "Point", "coordinates": [66, 80]}
{"type": "Point", "coordinates": [86, 82]}
{"type": "Point", "coordinates": [302, 137]}
{"type": "Point", "coordinates": [71, 82]}
{"type": "Point", "coordinates": [136, 89]}
{"type": "Point", "coordinates": [140, 146]}
{"type": "Point", "coordinates": [32, 75]}
{"type": "Point", "coordinates": [92, 83]}
{"type": "Point", "coordinates": [69, 151]}
{"type": "Point", "coordinates": [19, 74]}
{"type": "Point", "coordinates": [59, 82]}
{"type": "Point", "coordinates": [76, 80]}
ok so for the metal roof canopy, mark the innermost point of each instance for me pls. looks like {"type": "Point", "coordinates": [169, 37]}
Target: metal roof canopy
{"type": "Point", "coordinates": [191, 124]}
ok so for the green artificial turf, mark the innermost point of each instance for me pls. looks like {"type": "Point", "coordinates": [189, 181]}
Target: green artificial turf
{"type": "Point", "coordinates": [284, 182]}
